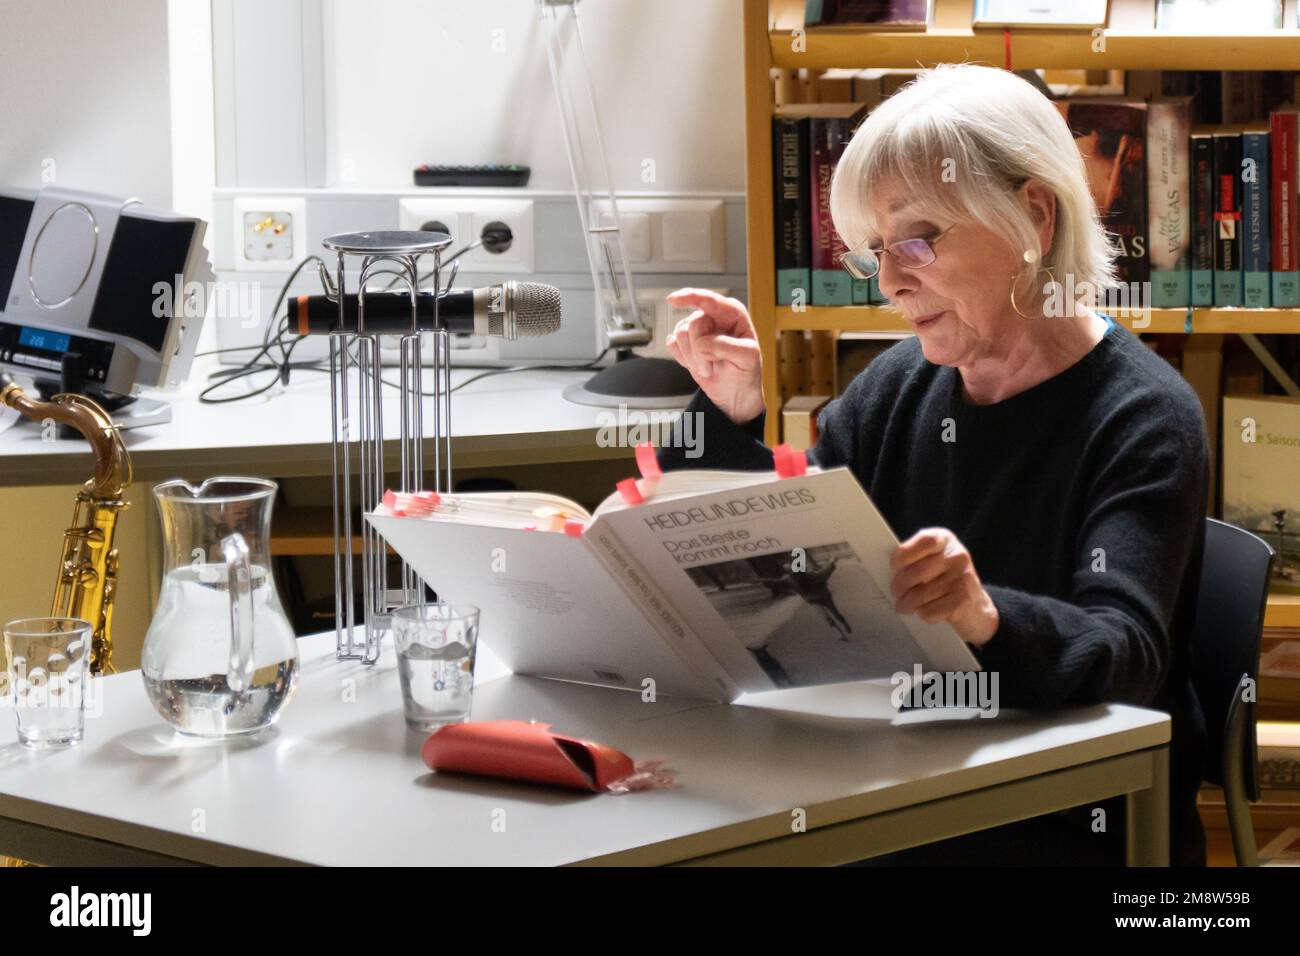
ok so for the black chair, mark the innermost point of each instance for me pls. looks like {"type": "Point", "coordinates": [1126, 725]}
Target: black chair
{"type": "Point", "coordinates": [1225, 668]}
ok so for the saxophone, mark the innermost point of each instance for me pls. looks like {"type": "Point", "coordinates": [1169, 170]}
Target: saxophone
{"type": "Point", "coordinates": [87, 581]}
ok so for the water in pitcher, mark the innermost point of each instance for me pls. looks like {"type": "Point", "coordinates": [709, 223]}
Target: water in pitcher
{"type": "Point", "coordinates": [186, 678]}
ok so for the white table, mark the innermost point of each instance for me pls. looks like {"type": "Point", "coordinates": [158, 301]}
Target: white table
{"type": "Point", "coordinates": [338, 783]}
{"type": "Point", "coordinates": [511, 418]}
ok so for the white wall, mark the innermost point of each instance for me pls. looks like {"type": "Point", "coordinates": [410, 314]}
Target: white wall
{"type": "Point", "coordinates": [418, 81]}
{"type": "Point", "coordinates": [84, 95]}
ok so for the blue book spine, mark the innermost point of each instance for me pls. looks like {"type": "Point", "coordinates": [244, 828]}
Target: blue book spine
{"type": "Point", "coordinates": [1257, 278]}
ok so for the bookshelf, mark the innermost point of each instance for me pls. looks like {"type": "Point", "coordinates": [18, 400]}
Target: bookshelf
{"type": "Point", "coordinates": [771, 40]}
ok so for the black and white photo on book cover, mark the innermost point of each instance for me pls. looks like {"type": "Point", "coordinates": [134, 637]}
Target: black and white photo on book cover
{"type": "Point", "coordinates": [796, 614]}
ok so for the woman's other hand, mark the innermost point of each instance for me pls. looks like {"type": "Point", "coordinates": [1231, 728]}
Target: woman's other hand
{"type": "Point", "coordinates": [934, 578]}
{"type": "Point", "coordinates": [717, 345]}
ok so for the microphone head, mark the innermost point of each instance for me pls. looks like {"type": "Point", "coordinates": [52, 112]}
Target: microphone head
{"type": "Point", "coordinates": [536, 308]}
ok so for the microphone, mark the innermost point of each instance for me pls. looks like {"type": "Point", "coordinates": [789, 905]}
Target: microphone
{"type": "Point", "coordinates": [509, 310]}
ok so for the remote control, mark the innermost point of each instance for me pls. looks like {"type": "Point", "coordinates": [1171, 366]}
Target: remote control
{"type": "Point", "coordinates": [511, 175]}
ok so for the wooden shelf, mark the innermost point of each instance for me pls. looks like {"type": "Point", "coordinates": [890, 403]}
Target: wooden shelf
{"type": "Point", "coordinates": [861, 48]}
{"type": "Point", "coordinates": [304, 531]}
{"type": "Point", "coordinates": [1283, 610]}
{"type": "Point", "coordinates": [770, 40]}
{"type": "Point", "coordinates": [875, 318]}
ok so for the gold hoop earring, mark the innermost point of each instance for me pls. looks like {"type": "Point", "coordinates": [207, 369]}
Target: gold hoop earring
{"type": "Point", "coordinates": [1036, 275]}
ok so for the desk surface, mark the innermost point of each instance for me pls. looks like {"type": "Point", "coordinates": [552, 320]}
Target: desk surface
{"type": "Point", "coordinates": [341, 782]}
{"type": "Point", "coordinates": [516, 417]}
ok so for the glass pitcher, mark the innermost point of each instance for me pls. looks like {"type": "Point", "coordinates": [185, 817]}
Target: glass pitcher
{"type": "Point", "coordinates": [220, 657]}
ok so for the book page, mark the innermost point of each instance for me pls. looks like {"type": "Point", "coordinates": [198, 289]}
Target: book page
{"type": "Point", "coordinates": [500, 509]}
{"type": "Point", "coordinates": [547, 607]}
{"type": "Point", "coordinates": [689, 481]}
{"type": "Point", "coordinates": [786, 581]}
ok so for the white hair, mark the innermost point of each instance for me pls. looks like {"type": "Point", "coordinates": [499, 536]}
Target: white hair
{"type": "Point", "coordinates": [961, 139]}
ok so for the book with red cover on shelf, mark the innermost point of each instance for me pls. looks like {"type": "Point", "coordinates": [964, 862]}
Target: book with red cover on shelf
{"type": "Point", "coordinates": [829, 130]}
{"type": "Point", "coordinates": [1284, 133]}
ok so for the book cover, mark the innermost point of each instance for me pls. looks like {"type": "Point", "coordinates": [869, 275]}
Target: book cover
{"type": "Point", "coordinates": [1261, 459]}
{"type": "Point", "coordinates": [829, 132]}
{"type": "Point", "coordinates": [909, 14]}
{"type": "Point", "coordinates": [799, 420]}
{"type": "Point", "coordinates": [1256, 279]}
{"type": "Point", "coordinates": [1111, 136]}
{"type": "Point", "coordinates": [1202, 217]}
{"type": "Point", "coordinates": [791, 202]}
{"type": "Point", "coordinates": [1169, 183]}
{"type": "Point", "coordinates": [1227, 218]}
{"type": "Point", "coordinates": [1039, 13]}
{"type": "Point", "coordinates": [1284, 128]}
{"type": "Point", "coordinates": [1203, 16]}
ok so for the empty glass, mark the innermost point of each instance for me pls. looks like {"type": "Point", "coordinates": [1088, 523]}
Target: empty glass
{"type": "Point", "coordinates": [435, 660]}
{"type": "Point", "coordinates": [49, 672]}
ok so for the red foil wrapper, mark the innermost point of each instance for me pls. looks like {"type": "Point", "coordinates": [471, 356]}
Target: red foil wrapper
{"type": "Point", "coordinates": [523, 750]}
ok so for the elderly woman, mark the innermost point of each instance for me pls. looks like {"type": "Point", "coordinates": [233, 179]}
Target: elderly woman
{"type": "Point", "coordinates": [1044, 470]}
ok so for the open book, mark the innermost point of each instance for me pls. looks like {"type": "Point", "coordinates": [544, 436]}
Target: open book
{"type": "Point", "coordinates": [719, 583]}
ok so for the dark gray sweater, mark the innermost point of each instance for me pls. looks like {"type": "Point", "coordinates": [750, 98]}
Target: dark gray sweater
{"type": "Point", "coordinates": [1082, 501]}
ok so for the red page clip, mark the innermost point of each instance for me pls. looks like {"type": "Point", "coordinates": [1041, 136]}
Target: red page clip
{"type": "Point", "coordinates": [790, 462]}
{"type": "Point", "coordinates": [646, 461]}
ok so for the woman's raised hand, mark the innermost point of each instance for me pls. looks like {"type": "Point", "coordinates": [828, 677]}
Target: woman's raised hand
{"type": "Point", "coordinates": [717, 345]}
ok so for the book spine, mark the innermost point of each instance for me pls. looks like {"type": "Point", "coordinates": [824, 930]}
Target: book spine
{"type": "Point", "coordinates": [1282, 179]}
{"type": "Point", "coordinates": [831, 285]}
{"type": "Point", "coordinates": [1255, 277]}
{"type": "Point", "coordinates": [1168, 128]}
{"type": "Point", "coordinates": [1227, 219]}
{"type": "Point", "coordinates": [661, 615]}
{"type": "Point", "coordinates": [790, 209]}
{"type": "Point", "coordinates": [1202, 220]}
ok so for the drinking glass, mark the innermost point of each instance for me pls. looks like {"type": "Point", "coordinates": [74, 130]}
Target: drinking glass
{"type": "Point", "coordinates": [48, 670]}
{"type": "Point", "coordinates": [435, 660]}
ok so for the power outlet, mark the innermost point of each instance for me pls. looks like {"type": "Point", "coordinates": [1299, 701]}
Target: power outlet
{"type": "Point", "coordinates": [271, 233]}
{"type": "Point", "coordinates": [412, 214]}
{"type": "Point", "coordinates": [268, 236]}
{"type": "Point", "coordinates": [518, 215]}
{"type": "Point", "coordinates": [656, 314]}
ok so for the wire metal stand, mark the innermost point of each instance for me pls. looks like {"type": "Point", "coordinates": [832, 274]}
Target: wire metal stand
{"type": "Point", "coordinates": [356, 388]}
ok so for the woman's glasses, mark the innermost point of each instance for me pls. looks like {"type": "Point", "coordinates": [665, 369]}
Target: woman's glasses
{"type": "Point", "coordinates": [864, 262]}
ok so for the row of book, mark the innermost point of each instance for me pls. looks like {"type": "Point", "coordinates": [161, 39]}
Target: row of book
{"type": "Point", "coordinates": [1200, 215]}
{"type": "Point", "coordinates": [1173, 15]}
{"type": "Point", "coordinates": [807, 142]}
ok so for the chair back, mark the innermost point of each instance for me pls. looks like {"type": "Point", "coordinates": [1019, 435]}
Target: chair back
{"type": "Point", "coordinates": [1225, 647]}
